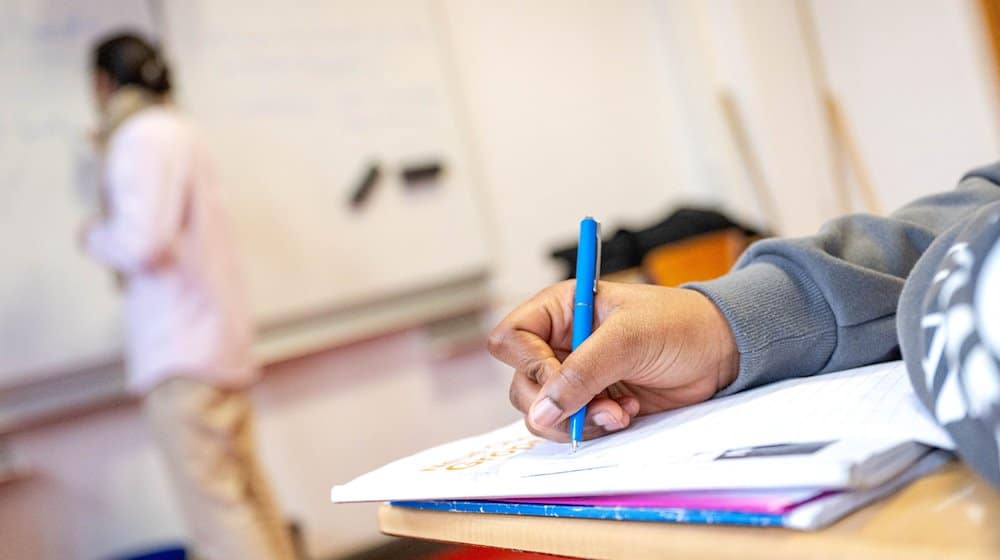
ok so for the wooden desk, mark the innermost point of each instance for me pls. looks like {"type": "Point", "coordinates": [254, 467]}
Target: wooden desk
{"type": "Point", "coordinates": [951, 514]}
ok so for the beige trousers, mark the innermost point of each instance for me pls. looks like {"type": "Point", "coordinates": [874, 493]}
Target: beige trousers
{"type": "Point", "coordinates": [206, 436]}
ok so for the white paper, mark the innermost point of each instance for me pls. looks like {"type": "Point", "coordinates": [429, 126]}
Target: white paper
{"type": "Point", "coordinates": [824, 511]}
{"type": "Point", "coordinates": [869, 413]}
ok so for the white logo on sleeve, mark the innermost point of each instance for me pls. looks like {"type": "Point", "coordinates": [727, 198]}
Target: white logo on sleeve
{"type": "Point", "coordinates": [955, 356]}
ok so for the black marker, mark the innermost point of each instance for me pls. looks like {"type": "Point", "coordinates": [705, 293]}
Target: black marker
{"type": "Point", "coordinates": [365, 186]}
{"type": "Point", "coordinates": [416, 174]}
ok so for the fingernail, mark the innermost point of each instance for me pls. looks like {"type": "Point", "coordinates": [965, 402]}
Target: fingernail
{"type": "Point", "coordinates": [545, 413]}
{"type": "Point", "coordinates": [606, 421]}
{"type": "Point", "coordinates": [632, 408]}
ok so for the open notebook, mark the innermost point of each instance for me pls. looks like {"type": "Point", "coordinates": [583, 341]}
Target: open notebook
{"type": "Point", "coordinates": [854, 429]}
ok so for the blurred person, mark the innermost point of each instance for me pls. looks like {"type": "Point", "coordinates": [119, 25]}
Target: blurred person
{"type": "Point", "coordinates": [921, 283]}
{"type": "Point", "coordinates": [162, 230]}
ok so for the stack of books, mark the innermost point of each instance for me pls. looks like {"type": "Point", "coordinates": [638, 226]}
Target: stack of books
{"type": "Point", "coordinates": [799, 454]}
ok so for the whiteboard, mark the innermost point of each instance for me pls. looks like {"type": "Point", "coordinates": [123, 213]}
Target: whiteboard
{"type": "Point", "coordinates": [295, 102]}
{"type": "Point", "coordinates": [57, 309]}
{"type": "Point", "coordinates": [293, 105]}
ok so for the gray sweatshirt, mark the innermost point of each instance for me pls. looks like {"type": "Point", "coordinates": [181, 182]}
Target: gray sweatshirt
{"type": "Point", "coordinates": [828, 302]}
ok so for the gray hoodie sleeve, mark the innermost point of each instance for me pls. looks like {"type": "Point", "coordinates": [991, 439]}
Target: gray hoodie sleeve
{"type": "Point", "coordinates": [949, 331]}
{"type": "Point", "coordinates": [827, 302]}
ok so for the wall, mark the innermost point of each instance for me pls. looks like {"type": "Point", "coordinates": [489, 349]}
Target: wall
{"type": "Point", "coordinates": [543, 161]}
{"type": "Point", "coordinates": [921, 100]}
{"type": "Point", "coordinates": [570, 120]}
{"type": "Point", "coordinates": [913, 79]}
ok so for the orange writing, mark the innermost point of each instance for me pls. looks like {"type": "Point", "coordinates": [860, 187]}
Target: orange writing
{"type": "Point", "coordinates": [493, 451]}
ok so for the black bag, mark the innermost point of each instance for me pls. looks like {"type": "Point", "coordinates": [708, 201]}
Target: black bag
{"type": "Point", "coordinates": [626, 248]}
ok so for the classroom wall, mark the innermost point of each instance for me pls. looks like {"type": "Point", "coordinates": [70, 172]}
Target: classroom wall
{"type": "Point", "coordinates": [913, 80]}
{"type": "Point", "coordinates": [568, 108]}
{"type": "Point", "coordinates": [570, 119]}
{"type": "Point", "coordinates": [553, 141]}
{"type": "Point", "coordinates": [921, 99]}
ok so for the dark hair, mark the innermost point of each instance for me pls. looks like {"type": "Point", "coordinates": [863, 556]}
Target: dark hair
{"type": "Point", "coordinates": [131, 60]}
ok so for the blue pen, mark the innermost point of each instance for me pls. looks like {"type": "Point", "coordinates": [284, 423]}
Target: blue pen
{"type": "Point", "coordinates": [588, 266]}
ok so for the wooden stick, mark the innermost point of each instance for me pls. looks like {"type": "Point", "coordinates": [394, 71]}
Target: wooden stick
{"type": "Point", "coordinates": [844, 139]}
{"type": "Point", "coordinates": [990, 15]}
{"type": "Point", "coordinates": [841, 140]}
{"type": "Point", "coordinates": [751, 163]}
{"type": "Point", "coordinates": [990, 10]}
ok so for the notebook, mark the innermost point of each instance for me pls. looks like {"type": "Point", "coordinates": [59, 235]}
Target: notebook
{"type": "Point", "coordinates": [856, 429]}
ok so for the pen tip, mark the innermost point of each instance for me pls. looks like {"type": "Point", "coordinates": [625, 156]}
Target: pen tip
{"type": "Point", "coordinates": [575, 445]}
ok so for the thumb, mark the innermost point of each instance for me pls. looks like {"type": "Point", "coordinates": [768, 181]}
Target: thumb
{"type": "Point", "coordinates": [595, 365]}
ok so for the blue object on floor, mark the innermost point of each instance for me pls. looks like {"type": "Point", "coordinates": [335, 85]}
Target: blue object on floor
{"type": "Point", "coordinates": [169, 552]}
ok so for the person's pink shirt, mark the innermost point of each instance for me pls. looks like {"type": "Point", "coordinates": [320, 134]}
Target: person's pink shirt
{"type": "Point", "coordinates": [166, 233]}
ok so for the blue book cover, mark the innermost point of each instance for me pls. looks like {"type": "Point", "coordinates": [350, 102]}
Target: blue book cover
{"type": "Point", "coordinates": [620, 513]}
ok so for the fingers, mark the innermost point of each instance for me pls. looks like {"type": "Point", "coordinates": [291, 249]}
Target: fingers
{"type": "Point", "coordinates": [526, 353]}
{"type": "Point", "coordinates": [603, 359]}
{"type": "Point", "coordinates": [535, 330]}
{"type": "Point", "coordinates": [630, 405]}
{"type": "Point", "coordinates": [608, 414]}
{"type": "Point", "coordinates": [550, 383]}
{"type": "Point", "coordinates": [604, 414]}
{"type": "Point", "coordinates": [523, 391]}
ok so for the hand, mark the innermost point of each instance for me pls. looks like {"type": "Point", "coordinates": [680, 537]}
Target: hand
{"type": "Point", "coordinates": [652, 349]}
